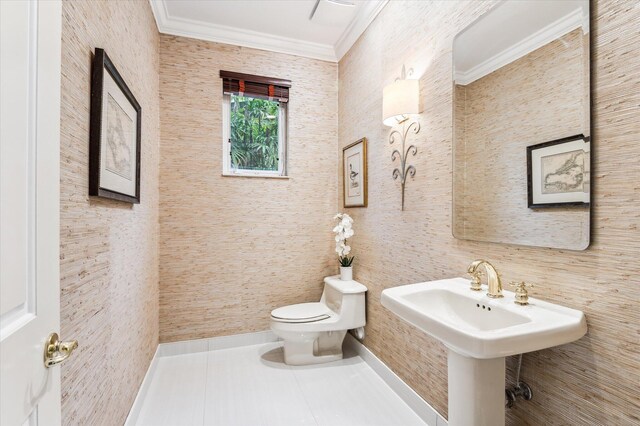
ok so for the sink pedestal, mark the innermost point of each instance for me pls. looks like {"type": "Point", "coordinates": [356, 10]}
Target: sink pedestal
{"type": "Point", "coordinates": [476, 391]}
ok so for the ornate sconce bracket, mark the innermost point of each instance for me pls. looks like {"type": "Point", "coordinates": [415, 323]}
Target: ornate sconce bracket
{"type": "Point", "coordinates": [404, 170]}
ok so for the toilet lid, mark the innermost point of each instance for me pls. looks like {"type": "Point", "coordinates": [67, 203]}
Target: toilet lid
{"type": "Point", "coordinates": [302, 312]}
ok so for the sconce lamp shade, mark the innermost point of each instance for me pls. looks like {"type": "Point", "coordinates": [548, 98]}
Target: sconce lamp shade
{"type": "Point", "coordinates": [400, 99]}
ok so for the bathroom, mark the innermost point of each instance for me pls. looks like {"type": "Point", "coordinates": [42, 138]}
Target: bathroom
{"type": "Point", "coordinates": [183, 274]}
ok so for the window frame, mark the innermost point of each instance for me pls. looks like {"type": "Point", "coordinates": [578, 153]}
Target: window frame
{"type": "Point", "coordinates": [283, 122]}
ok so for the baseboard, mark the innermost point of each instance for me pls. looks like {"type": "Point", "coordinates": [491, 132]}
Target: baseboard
{"type": "Point", "coordinates": [134, 413]}
{"type": "Point", "coordinates": [425, 411]}
{"type": "Point", "coordinates": [421, 407]}
{"type": "Point", "coordinates": [215, 343]}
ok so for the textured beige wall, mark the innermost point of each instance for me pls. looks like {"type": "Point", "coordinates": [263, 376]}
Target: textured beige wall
{"type": "Point", "coordinates": [232, 248]}
{"type": "Point", "coordinates": [534, 99]}
{"type": "Point", "coordinates": [109, 249]}
{"type": "Point", "coordinates": [591, 382]}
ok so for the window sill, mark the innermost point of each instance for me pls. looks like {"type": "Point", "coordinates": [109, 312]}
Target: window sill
{"type": "Point", "coordinates": [240, 175]}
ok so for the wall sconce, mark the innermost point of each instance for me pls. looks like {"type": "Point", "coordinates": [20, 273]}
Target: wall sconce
{"type": "Point", "coordinates": [400, 99]}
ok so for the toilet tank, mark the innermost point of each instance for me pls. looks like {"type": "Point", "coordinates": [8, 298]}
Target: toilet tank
{"type": "Point", "coordinates": [346, 298]}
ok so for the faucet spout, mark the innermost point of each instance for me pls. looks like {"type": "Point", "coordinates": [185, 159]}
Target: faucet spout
{"type": "Point", "coordinates": [493, 278]}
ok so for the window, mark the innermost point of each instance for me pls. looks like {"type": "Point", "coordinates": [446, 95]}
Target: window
{"type": "Point", "coordinates": [254, 125]}
{"type": "Point", "coordinates": [254, 135]}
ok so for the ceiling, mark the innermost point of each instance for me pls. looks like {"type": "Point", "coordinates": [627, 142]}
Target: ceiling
{"type": "Point", "coordinates": [285, 26]}
{"type": "Point", "coordinates": [512, 30]}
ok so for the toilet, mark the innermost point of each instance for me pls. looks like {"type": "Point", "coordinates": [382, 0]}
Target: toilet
{"type": "Point", "coordinates": [313, 332]}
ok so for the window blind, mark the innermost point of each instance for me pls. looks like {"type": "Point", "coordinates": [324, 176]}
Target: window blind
{"type": "Point", "coordinates": [256, 86]}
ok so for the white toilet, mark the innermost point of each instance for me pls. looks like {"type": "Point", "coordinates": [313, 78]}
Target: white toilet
{"type": "Point", "coordinates": [313, 332]}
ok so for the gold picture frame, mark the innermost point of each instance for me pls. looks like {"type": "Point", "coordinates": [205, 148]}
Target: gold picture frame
{"type": "Point", "coordinates": [354, 174]}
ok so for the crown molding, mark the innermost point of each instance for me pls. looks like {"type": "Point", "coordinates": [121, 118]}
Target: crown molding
{"type": "Point", "coordinates": [240, 37]}
{"type": "Point", "coordinates": [546, 35]}
{"type": "Point", "coordinates": [370, 9]}
{"type": "Point", "coordinates": [229, 35]}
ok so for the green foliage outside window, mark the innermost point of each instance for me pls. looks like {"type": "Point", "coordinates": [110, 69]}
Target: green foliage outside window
{"type": "Point", "coordinates": [254, 133]}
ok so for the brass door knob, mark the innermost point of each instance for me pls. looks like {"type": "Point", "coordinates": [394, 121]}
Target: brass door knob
{"type": "Point", "coordinates": [56, 351]}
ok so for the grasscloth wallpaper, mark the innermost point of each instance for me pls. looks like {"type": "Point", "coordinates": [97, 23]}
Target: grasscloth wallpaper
{"type": "Point", "coordinates": [591, 382]}
{"type": "Point", "coordinates": [227, 250]}
{"type": "Point", "coordinates": [233, 248]}
{"type": "Point", "coordinates": [535, 99]}
{"type": "Point", "coordinates": [109, 249]}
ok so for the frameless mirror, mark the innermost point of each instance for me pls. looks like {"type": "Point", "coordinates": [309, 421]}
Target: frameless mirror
{"type": "Point", "coordinates": [521, 133]}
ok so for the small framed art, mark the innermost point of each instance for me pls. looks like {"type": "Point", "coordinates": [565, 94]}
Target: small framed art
{"type": "Point", "coordinates": [354, 160]}
{"type": "Point", "coordinates": [114, 147]}
{"type": "Point", "coordinates": [558, 172]}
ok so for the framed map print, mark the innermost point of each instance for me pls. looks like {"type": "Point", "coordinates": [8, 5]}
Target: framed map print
{"type": "Point", "coordinates": [354, 161]}
{"type": "Point", "coordinates": [114, 149]}
{"type": "Point", "coordinates": [558, 172]}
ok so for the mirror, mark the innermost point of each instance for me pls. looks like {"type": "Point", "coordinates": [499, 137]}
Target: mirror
{"type": "Point", "coordinates": [521, 129]}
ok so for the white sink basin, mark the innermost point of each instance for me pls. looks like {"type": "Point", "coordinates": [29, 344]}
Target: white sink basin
{"type": "Point", "coordinates": [480, 332]}
{"type": "Point", "coordinates": [474, 325]}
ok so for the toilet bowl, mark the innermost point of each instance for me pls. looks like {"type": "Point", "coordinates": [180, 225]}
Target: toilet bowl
{"type": "Point", "coordinates": [313, 332]}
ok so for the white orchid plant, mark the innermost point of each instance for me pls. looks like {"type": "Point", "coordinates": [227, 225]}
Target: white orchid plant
{"type": "Point", "coordinates": [343, 231]}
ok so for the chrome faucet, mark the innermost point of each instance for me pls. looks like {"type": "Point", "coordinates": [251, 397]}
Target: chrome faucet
{"type": "Point", "coordinates": [493, 278]}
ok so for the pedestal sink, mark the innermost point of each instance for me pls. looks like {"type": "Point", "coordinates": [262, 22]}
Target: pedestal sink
{"type": "Point", "coordinates": [479, 332]}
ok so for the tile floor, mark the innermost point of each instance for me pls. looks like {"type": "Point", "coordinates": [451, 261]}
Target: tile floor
{"type": "Point", "coordinates": [251, 386]}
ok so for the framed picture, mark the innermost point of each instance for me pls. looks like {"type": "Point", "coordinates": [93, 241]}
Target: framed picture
{"type": "Point", "coordinates": [114, 148]}
{"type": "Point", "coordinates": [354, 160]}
{"type": "Point", "coordinates": [558, 172]}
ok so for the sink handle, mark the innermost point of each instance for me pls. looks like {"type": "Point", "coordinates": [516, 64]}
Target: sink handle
{"type": "Point", "coordinates": [476, 285]}
{"type": "Point", "coordinates": [522, 295]}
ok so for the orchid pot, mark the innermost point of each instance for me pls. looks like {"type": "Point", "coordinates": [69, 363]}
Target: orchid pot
{"type": "Point", "coordinates": [346, 273]}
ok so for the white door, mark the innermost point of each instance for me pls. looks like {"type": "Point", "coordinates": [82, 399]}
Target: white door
{"type": "Point", "coordinates": [29, 210]}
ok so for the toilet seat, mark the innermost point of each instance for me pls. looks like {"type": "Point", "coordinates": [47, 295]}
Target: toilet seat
{"type": "Point", "coordinates": [301, 313]}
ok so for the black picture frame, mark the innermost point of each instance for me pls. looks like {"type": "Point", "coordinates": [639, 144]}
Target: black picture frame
{"type": "Point", "coordinates": [530, 196]}
{"type": "Point", "coordinates": [101, 64]}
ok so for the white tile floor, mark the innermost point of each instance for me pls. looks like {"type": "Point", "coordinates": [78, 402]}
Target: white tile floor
{"type": "Point", "coordinates": [251, 386]}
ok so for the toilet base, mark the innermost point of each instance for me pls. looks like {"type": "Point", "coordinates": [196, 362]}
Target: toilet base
{"type": "Point", "coordinates": [301, 353]}
{"type": "Point", "coordinates": [326, 347]}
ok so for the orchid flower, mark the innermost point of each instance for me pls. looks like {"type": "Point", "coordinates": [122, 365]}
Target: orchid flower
{"type": "Point", "coordinates": [343, 231]}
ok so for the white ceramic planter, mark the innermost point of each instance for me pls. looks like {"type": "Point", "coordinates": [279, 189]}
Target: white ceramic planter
{"type": "Point", "coordinates": [346, 273]}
